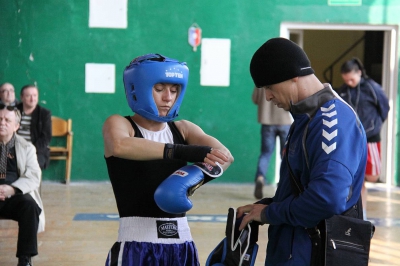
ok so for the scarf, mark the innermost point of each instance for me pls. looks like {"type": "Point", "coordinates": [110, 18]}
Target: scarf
{"type": "Point", "coordinates": [4, 150]}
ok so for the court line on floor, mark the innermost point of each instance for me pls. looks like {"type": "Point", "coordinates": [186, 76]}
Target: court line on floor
{"type": "Point", "coordinates": [207, 218]}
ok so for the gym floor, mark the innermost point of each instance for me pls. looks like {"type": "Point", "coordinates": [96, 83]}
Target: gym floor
{"type": "Point", "coordinates": [82, 223]}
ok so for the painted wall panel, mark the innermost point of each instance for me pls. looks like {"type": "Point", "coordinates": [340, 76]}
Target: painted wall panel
{"type": "Point", "coordinates": [49, 43]}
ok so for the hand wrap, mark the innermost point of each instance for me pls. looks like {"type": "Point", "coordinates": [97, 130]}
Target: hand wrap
{"type": "Point", "coordinates": [188, 153]}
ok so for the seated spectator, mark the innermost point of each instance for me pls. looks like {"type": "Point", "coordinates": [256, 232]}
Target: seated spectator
{"type": "Point", "coordinates": [7, 94]}
{"type": "Point", "coordinates": [35, 124]}
{"type": "Point", "coordinates": [20, 176]}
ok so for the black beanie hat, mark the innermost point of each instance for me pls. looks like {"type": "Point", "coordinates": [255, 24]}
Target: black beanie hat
{"type": "Point", "coordinates": [277, 60]}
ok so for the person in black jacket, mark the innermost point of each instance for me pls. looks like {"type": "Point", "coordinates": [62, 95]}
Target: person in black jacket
{"type": "Point", "coordinates": [372, 106]}
{"type": "Point", "coordinates": [35, 123]}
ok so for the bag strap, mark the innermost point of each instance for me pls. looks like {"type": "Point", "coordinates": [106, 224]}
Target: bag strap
{"type": "Point", "coordinates": [314, 233]}
{"type": "Point", "coordinates": [297, 188]}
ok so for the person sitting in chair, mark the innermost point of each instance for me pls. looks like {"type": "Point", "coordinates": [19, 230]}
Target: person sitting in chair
{"type": "Point", "coordinates": [20, 176]}
{"type": "Point", "coordinates": [35, 123]}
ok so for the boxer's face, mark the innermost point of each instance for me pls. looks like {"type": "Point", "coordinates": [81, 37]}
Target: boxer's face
{"type": "Point", "coordinates": [165, 95]}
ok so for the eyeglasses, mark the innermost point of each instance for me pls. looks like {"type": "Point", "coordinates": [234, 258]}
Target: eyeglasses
{"type": "Point", "coordinates": [8, 91]}
{"type": "Point", "coordinates": [9, 107]}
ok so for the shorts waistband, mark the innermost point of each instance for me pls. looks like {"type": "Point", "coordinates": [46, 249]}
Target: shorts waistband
{"type": "Point", "coordinates": [154, 230]}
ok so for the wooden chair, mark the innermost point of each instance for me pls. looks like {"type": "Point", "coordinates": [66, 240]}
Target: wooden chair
{"type": "Point", "coordinates": [62, 128]}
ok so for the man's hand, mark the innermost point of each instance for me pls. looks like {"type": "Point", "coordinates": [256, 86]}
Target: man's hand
{"type": "Point", "coordinates": [6, 191]}
{"type": "Point", "coordinates": [253, 212]}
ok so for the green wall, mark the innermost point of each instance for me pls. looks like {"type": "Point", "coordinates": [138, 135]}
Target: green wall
{"type": "Point", "coordinates": [49, 42]}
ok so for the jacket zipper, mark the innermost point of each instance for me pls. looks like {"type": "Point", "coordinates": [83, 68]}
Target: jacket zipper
{"type": "Point", "coordinates": [341, 243]}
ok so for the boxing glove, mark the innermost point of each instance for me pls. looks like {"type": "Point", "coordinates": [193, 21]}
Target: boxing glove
{"type": "Point", "coordinates": [172, 195]}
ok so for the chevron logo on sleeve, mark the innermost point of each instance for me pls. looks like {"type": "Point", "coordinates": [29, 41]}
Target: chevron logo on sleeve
{"type": "Point", "coordinates": [330, 114]}
{"type": "Point", "coordinates": [329, 123]}
{"type": "Point", "coordinates": [328, 149]}
{"type": "Point", "coordinates": [329, 136]}
{"type": "Point", "coordinates": [329, 131]}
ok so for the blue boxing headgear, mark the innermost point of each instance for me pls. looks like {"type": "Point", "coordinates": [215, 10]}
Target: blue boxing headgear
{"type": "Point", "coordinates": [146, 71]}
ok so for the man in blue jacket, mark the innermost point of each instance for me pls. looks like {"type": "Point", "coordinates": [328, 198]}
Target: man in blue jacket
{"type": "Point", "coordinates": [325, 150]}
{"type": "Point", "coordinates": [372, 106]}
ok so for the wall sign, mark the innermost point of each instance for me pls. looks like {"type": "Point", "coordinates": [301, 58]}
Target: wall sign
{"type": "Point", "coordinates": [194, 36]}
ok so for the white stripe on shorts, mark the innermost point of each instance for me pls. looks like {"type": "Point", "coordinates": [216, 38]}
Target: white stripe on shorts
{"type": "Point", "coordinates": [145, 229]}
{"type": "Point", "coordinates": [375, 158]}
{"type": "Point", "coordinates": [121, 251]}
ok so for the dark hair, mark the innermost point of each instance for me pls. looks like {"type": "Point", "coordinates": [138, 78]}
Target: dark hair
{"type": "Point", "coordinates": [26, 87]}
{"type": "Point", "coordinates": [353, 65]}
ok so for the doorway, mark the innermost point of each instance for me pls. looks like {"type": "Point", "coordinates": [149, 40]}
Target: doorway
{"type": "Point", "coordinates": [375, 45]}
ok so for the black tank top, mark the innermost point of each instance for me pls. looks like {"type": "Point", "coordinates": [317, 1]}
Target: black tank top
{"type": "Point", "coordinates": [134, 182]}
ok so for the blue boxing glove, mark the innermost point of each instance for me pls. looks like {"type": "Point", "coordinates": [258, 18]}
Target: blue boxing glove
{"type": "Point", "coordinates": [172, 195]}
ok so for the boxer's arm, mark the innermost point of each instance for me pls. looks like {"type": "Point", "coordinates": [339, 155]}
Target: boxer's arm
{"type": "Point", "coordinates": [194, 135]}
{"type": "Point", "coordinates": [119, 141]}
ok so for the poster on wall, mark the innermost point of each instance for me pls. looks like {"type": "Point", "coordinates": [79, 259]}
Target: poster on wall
{"type": "Point", "coordinates": [108, 14]}
{"type": "Point", "coordinates": [99, 78]}
{"type": "Point", "coordinates": [215, 62]}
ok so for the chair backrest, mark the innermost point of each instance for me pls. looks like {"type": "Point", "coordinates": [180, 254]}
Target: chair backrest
{"type": "Point", "coordinates": [60, 127]}
{"type": "Point", "coordinates": [62, 130]}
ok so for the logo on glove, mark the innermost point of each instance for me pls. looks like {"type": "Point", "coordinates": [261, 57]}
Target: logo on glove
{"type": "Point", "coordinates": [180, 173]}
{"type": "Point", "coordinates": [167, 229]}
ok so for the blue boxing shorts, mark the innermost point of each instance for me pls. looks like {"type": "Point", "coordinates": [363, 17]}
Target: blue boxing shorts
{"type": "Point", "coordinates": [153, 241]}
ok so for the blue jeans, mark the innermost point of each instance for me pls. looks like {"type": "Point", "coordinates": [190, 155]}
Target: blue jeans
{"type": "Point", "coordinates": [268, 139]}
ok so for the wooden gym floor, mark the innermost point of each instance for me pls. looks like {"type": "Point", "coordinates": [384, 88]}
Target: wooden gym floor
{"type": "Point", "coordinates": [82, 223]}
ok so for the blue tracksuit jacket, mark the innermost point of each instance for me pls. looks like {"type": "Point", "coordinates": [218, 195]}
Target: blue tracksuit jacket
{"type": "Point", "coordinates": [328, 154]}
{"type": "Point", "coordinates": [370, 103]}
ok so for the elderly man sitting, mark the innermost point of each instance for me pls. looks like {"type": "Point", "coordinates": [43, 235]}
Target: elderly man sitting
{"type": "Point", "coordinates": [20, 176]}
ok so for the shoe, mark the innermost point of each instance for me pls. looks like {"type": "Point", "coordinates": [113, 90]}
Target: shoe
{"type": "Point", "coordinates": [258, 191]}
{"type": "Point", "coordinates": [25, 261]}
